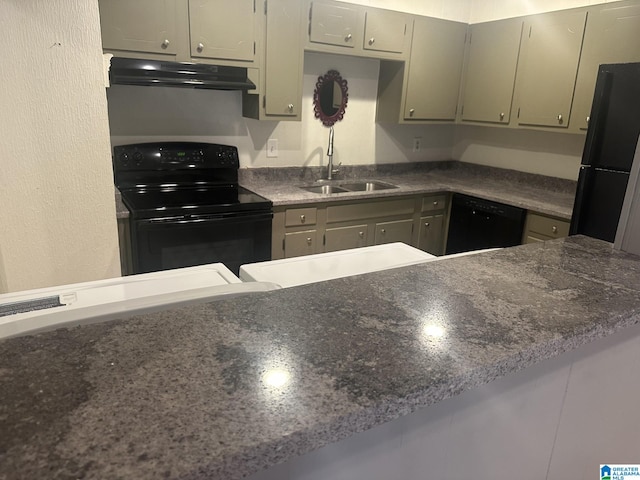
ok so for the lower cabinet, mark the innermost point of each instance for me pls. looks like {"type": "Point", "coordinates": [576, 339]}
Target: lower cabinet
{"type": "Point", "coordinates": [431, 238]}
{"type": "Point", "coordinates": [539, 228]}
{"type": "Point", "coordinates": [300, 243]}
{"type": "Point", "coordinates": [397, 231]}
{"type": "Point", "coordinates": [124, 239]}
{"type": "Point", "coordinates": [341, 225]}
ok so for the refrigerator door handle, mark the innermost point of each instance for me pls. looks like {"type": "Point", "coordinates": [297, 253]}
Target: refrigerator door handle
{"type": "Point", "coordinates": [600, 97]}
{"type": "Point", "coordinates": [579, 199]}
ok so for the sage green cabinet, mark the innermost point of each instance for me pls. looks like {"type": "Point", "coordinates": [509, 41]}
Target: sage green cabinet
{"type": "Point", "coordinates": [394, 231]}
{"type": "Point", "coordinates": [548, 66]}
{"type": "Point", "coordinates": [435, 69]}
{"type": "Point", "coordinates": [300, 243]}
{"type": "Point", "coordinates": [280, 95]}
{"type": "Point", "coordinates": [223, 29]}
{"type": "Point", "coordinates": [431, 237]}
{"type": "Point", "coordinates": [490, 71]}
{"type": "Point", "coordinates": [142, 26]}
{"type": "Point", "coordinates": [334, 24]}
{"type": "Point", "coordinates": [539, 228]}
{"type": "Point", "coordinates": [124, 241]}
{"type": "Point", "coordinates": [385, 31]}
{"type": "Point", "coordinates": [612, 36]}
{"type": "Point", "coordinates": [343, 238]}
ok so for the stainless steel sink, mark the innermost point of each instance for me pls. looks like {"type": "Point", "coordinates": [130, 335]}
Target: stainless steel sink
{"type": "Point", "coordinates": [325, 189]}
{"type": "Point", "coordinates": [366, 186]}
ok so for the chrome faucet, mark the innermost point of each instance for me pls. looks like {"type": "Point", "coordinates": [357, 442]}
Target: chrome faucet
{"type": "Point", "coordinates": [330, 170]}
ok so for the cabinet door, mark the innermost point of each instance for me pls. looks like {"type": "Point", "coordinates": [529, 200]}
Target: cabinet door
{"type": "Point", "coordinates": [491, 71]}
{"type": "Point", "coordinates": [284, 57]}
{"type": "Point", "coordinates": [385, 31]}
{"type": "Point", "coordinates": [548, 67]}
{"type": "Point", "coordinates": [300, 243]}
{"type": "Point", "coordinates": [397, 231]}
{"type": "Point", "coordinates": [432, 234]}
{"type": "Point", "coordinates": [333, 24]}
{"type": "Point", "coordinates": [140, 26]}
{"type": "Point", "coordinates": [222, 29]}
{"type": "Point", "coordinates": [342, 238]}
{"type": "Point", "coordinates": [435, 67]}
{"type": "Point", "coordinates": [612, 36]}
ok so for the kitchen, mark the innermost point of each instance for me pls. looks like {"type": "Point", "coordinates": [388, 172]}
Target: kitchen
{"type": "Point", "coordinates": [96, 205]}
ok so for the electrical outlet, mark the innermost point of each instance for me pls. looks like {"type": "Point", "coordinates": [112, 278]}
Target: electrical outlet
{"type": "Point", "coordinates": [272, 148]}
{"type": "Point", "coordinates": [416, 144]}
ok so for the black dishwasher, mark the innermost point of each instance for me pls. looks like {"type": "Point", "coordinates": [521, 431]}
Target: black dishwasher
{"type": "Point", "coordinates": [475, 224]}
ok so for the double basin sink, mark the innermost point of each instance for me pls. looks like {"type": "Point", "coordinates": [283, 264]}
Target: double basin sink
{"type": "Point", "coordinates": [371, 186]}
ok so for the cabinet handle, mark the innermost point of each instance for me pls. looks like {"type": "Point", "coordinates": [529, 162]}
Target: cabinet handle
{"type": "Point", "coordinates": [411, 112]}
{"type": "Point", "coordinates": [302, 218]}
{"type": "Point", "coordinates": [200, 47]}
{"type": "Point", "coordinates": [588, 118]}
{"type": "Point", "coordinates": [361, 234]}
{"type": "Point", "coordinates": [426, 224]}
{"type": "Point", "coordinates": [290, 107]}
{"type": "Point", "coordinates": [435, 204]}
{"type": "Point", "coordinates": [348, 38]}
{"type": "Point", "coordinates": [554, 229]}
{"type": "Point", "coordinates": [560, 118]}
{"type": "Point", "coordinates": [308, 240]}
{"type": "Point", "coordinates": [383, 231]}
{"type": "Point", "coordinates": [165, 44]}
{"type": "Point", "coordinates": [501, 115]}
{"type": "Point", "coordinates": [372, 41]}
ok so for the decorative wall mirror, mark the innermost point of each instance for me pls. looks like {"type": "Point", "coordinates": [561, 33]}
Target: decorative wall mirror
{"type": "Point", "coordinates": [330, 98]}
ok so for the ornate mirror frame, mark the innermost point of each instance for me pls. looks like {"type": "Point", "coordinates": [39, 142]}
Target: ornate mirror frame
{"type": "Point", "coordinates": [332, 77]}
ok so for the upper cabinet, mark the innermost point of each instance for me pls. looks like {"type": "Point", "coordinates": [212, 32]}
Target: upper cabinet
{"type": "Point", "coordinates": [337, 27]}
{"type": "Point", "coordinates": [490, 72]}
{"type": "Point", "coordinates": [145, 26]}
{"type": "Point", "coordinates": [612, 36]}
{"type": "Point", "coordinates": [426, 88]}
{"type": "Point", "coordinates": [548, 66]}
{"type": "Point", "coordinates": [281, 96]}
{"type": "Point", "coordinates": [206, 31]}
{"type": "Point", "coordinates": [223, 29]}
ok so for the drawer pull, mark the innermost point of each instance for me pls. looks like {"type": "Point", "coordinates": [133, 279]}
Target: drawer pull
{"type": "Point", "coordinates": [361, 234]}
{"type": "Point", "coordinates": [554, 229]}
{"type": "Point", "coordinates": [383, 231]}
{"type": "Point", "coordinates": [426, 224]}
{"type": "Point", "coordinates": [348, 38]}
{"type": "Point", "coordinates": [302, 219]}
{"type": "Point", "coordinates": [435, 204]}
{"type": "Point", "coordinates": [200, 47]}
{"type": "Point", "coordinates": [308, 240]}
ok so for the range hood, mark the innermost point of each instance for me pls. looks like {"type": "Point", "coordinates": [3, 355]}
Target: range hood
{"type": "Point", "coordinates": [134, 71]}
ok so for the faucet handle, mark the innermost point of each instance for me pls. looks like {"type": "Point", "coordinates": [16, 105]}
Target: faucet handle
{"type": "Point", "coordinates": [336, 169]}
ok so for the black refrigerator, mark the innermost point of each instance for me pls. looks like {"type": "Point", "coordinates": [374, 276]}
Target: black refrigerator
{"type": "Point", "coordinates": [608, 154]}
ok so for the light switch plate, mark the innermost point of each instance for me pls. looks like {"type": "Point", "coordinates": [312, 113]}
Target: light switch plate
{"type": "Point", "coordinates": [272, 147]}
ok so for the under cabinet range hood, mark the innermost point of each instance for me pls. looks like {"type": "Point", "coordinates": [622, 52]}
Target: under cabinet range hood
{"type": "Point", "coordinates": [134, 71]}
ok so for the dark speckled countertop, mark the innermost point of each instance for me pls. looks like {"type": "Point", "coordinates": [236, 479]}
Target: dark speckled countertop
{"type": "Point", "coordinates": [547, 195]}
{"type": "Point", "coordinates": [223, 389]}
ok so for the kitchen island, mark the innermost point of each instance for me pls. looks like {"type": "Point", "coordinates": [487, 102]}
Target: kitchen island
{"type": "Point", "coordinates": [228, 388]}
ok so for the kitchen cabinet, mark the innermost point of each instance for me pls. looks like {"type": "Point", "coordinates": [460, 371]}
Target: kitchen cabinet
{"type": "Point", "coordinates": [300, 243]}
{"type": "Point", "coordinates": [343, 28]}
{"type": "Point", "coordinates": [149, 28]}
{"type": "Point", "coordinates": [426, 88]}
{"type": "Point", "coordinates": [432, 231]}
{"type": "Point", "coordinates": [490, 71]}
{"type": "Point", "coordinates": [612, 35]}
{"type": "Point", "coordinates": [343, 238]}
{"type": "Point", "coordinates": [223, 29]}
{"type": "Point", "coordinates": [547, 67]}
{"type": "Point", "coordinates": [124, 241]}
{"type": "Point", "coordinates": [539, 228]}
{"type": "Point", "coordinates": [280, 97]}
{"type": "Point", "coordinates": [395, 231]}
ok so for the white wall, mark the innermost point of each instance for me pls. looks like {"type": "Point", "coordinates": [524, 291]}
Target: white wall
{"type": "Point", "coordinates": [56, 198]}
{"type": "Point", "coordinates": [486, 10]}
{"type": "Point", "coordinates": [149, 113]}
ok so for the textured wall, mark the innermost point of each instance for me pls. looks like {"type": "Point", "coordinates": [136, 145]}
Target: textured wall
{"type": "Point", "coordinates": [56, 198]}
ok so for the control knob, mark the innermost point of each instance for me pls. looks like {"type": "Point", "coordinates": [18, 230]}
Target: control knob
{"type": "Point", "coordinates": [137, 157]}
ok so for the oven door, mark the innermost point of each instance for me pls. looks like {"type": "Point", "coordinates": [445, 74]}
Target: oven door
{"type": "Point", "coordinates": [165, 243]}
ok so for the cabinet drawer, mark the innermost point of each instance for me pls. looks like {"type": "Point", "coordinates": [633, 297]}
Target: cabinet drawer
{"type": "Point", "coordinates": [435, 202]}
{"type": "Point", "coordinates": [398, 231]}
{"type": "Point", "coordinates": [548, 226]}
{"type": "Point", "coordinates": [300, 216]}
{"type": "Point", "coordinates": [342, 238]}
{"type": "Point", "coordinates": [358, 211]}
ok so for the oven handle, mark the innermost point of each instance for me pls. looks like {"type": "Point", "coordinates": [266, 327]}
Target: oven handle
{"type": "Point", "coordinates": [207, 219]}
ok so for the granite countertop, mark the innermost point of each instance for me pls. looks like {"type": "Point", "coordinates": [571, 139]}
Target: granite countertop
{"type": "Point", "coordinates": [547, 195]}
{"type": "Point", "coordinates": [224, 389]}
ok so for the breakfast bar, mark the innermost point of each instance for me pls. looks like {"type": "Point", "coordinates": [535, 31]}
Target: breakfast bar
{"type": "Point", "coordinates": [229, 388]}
